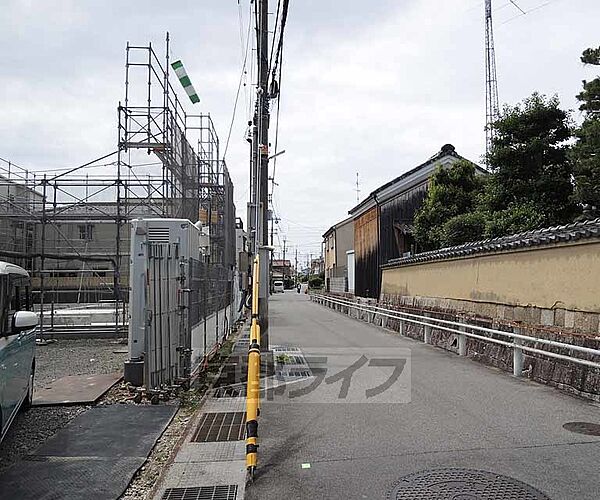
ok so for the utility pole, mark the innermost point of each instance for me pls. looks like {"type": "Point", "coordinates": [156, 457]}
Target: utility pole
{"type": "Point", "coordinates": [296, 268]}
{"type": "Point", "coordinates": [284, 241]}
{"type": "Point", "coordinates": [261, 120]}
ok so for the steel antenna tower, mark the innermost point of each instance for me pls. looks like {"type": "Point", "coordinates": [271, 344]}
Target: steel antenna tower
{"type": "Point", "coordinates": [492, 112]}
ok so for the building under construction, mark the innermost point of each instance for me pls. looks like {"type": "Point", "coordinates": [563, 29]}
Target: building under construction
{"type": "Point", "coordinates": [71, 229]}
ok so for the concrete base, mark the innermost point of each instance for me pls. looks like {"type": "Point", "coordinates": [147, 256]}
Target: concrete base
{"type": "Point", "coordinates": [134, 372]}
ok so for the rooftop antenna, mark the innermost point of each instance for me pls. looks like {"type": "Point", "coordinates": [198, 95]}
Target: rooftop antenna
{"type": "Point", "coordinates": [492, 113]}
{"type": "Point", "coordinates": [357, 189]}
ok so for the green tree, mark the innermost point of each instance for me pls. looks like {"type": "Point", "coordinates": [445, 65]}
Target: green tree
{"type": "Point", "coordinates": [452, 192]}
{"type": "Point", "coordinates": [586, 151]}
{"type": "Point", "coordinates": [514, 219]}
{"type": "Point", "coordinates": [464, 228]}
{"type": "Point", "coordinates": [531, 166]}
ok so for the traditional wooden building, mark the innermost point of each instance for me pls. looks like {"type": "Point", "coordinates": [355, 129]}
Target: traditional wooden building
{"type": "Point", "coordinates": [383, 221]}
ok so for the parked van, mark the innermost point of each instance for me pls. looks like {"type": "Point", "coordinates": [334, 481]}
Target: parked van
{"type": "Point", "coordinates": [17, 343]}
{"type": "Point", "coordinates": [278, 287]}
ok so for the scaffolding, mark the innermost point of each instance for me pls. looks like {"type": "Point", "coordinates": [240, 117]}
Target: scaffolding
{"type": "Point", "coordinates": [70, 229]}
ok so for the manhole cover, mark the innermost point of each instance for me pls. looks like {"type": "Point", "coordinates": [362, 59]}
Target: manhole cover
{"type": "Point", "coordinates": [461, 484]}
{"type": "Point", "coordinates": [587, 428]}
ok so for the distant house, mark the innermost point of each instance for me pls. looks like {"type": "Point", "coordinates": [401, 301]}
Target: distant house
{"type": "Point", "coordinates": [317, 265]}
{"type": "Point", "coordinates": [383, 221]}
{"type": "Point", "coordinates": [282, 269]}
{"type": "Point", "coordinates": [338, 240]}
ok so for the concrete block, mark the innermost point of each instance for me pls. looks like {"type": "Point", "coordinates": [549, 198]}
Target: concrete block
{"type": "Point", "coordinates": [569, 319]}
{"type": "Point", "coordinates": [520, 314]}
{"type": "Point", "coordinates": [487, 310]}
{"type": "Point", "coordinates": [535, 315]}
{"type": "Point", "coordinates": [547, 317]}
{"type": "Point", "coordinates": [559, 317]}
{"type": "Point", "coordinates": [586, 322]}
{"type": "Point", "coordinates": [509, 313]}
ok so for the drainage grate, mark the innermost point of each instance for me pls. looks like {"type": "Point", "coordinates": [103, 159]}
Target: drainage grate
{"type": "Point", "coordinates": [225, 426]}
{"type": "Point", "coordinates": [229, 391]}
{"type": "Point", "coordinates": [228, 492]}
{"type": "Point", "coordinates": [448, 484]}
{"type": "Point", "coordinates": [587, 428]}
{"type": "Point", "coordinates": [297, 373]}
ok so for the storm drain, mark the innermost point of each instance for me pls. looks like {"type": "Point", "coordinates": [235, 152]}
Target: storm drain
{"type": "Point", "coordinates": [587, 428]}
{"type": "Point", "coordinates": [288, 359]}
{"type": "Point", "coordinates": [230, 391]}
{"type": "Point", "coordinates": [221, 426]}
{"type": "Point", "coordinates": [450, 484]}
{"type": "Point", "coordinates": [228, 492]}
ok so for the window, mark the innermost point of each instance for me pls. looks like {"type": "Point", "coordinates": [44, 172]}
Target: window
{"type": "Point", "coordinates": [14, 296]}
{"type": "Point", "coordinates": [4, 303]}
{"type": "Point", "coordinates": [86, 232]}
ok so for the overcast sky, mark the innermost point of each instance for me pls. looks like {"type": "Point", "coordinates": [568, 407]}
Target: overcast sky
{"type": "Point", "coordinates": [370, 87]}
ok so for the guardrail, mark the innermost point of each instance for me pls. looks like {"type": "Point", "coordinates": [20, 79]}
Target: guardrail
{"type": "Point", "coordinates": [519, 343]}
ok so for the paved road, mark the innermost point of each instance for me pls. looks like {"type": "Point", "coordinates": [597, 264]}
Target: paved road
{"type": "Point", "coordinates": [461, 414]}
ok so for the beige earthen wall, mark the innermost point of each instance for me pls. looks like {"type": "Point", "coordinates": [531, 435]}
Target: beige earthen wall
{"type": "Point", "coordinates": [548, 285]}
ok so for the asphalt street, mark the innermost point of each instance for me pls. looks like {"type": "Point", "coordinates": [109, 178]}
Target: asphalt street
{"type": "Point", "coordinates": [445, 412]}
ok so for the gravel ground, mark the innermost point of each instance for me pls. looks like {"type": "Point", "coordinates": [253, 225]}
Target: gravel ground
{"type": "Point", "coordinates": [53, 361]}
{"type": "Point", "coordinates": [77, 357]}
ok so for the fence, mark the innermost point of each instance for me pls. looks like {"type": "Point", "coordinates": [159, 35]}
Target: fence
{"type": "Point", "coordinates": [212, 306]}
{"type": "Point", "coordinates": [519, 343]}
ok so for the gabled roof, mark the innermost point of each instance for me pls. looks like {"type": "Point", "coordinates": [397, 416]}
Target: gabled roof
{"type": "Point", "coordinates": [417, 174]}
{"type": "Point", "coordinates": [347, 220]}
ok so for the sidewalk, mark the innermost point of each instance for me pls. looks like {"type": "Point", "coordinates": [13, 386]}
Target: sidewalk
{"type": "Point", "coordinates": [211, 461]}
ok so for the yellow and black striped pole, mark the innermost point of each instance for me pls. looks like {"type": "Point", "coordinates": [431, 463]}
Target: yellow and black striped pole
{"type": "Point", "coordinates": [253, 384]}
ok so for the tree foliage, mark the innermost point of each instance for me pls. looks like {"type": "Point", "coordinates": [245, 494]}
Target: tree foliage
{"type": "Point", "coordinates": [533, 166]}
{"type": "Point", "coordinates": [586, 151]}
{"type": "Point", "coordinates": [530, 161]}
{"type": "Point", "coordinates": [463, 228]}
{"type": "Point", "coordinates": [452, 192]}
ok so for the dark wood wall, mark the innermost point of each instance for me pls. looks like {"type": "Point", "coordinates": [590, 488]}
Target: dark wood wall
{"type": "Point", "coordinates": [366, 253]}
{"type": "Point", "coordinates": [395, 215]}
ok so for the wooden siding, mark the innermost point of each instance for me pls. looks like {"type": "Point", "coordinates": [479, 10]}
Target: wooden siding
{"type": "Point", "coordinates": [366, 251]}
{"type": "Point", "coordinates": [395, 213]}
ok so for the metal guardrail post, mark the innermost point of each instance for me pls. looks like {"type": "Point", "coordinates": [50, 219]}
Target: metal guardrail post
{"type": "Point", "coordinates": [427, 332]}
{"type": "Point", "coordinates": [462, 342]}
{"type": "Point", "coordinates": [253, 383]}
{"type": "Point", "coordinates": [518, 356]}
{"type": "Point", "coordinates": [402, 327]}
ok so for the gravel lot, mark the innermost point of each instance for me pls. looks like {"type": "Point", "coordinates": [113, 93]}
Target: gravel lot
{"type": "Point", "coordinates": [53, 361]}
{"type": "Point", "coordinates": [77, 357]}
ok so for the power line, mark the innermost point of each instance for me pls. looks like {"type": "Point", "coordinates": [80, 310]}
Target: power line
{"type": "Point", "coordinates": [237, 95]}
{"type": "Point", "coordinates": [517, 6]}
{"type": "Point", "coordinates": [533, 9]}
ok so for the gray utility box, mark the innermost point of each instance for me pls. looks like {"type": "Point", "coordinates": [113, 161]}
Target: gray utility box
{"type": "Point", "coordinates": [162, 251]}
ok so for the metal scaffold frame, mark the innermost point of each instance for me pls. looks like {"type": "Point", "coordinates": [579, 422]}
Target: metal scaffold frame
{"type": "Point", "coordinates": [41, 212]}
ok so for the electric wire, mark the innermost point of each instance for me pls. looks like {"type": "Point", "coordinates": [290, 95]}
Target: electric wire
{"type": "Point", "coordinates": [237, 95]}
